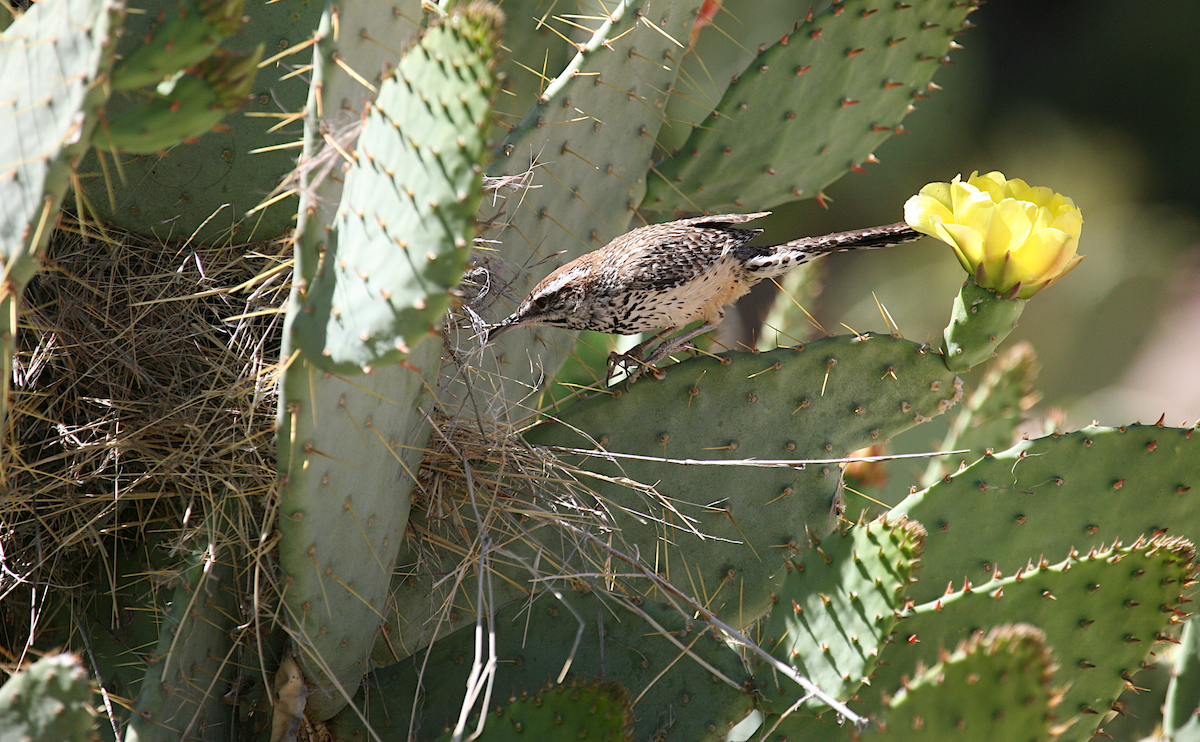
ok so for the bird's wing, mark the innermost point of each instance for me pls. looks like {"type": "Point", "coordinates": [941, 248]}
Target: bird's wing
{"type": "Point", "coordinates": [663, 256]}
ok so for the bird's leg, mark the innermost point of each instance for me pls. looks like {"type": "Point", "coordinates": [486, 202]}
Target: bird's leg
{"type": "Point", "coordinates": [667, 347]}
{"type": "Point", "coordinates": [631, 360]}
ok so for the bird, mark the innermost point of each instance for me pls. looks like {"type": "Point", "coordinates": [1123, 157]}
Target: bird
{"type": "Point", "coordinates": [660, 278]}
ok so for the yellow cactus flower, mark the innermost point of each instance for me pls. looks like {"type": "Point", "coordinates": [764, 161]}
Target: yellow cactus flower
{"type": "Point", "coordinates": [1011, 237]}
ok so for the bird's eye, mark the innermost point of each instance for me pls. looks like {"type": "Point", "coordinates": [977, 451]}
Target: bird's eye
{"type": "Point", "coordinates": [541, 302]}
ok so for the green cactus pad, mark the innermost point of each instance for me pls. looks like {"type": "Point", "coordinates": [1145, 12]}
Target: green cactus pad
{"type": "Point", "coordinates": [347, 454]}
{"type": "Point", "coordinates": [810, 107]}
{"type": "Point", "coordinates": [589, 711]}
{"type": "Point", "coordinates": [979, 322]}
{"type": "Point", "coordinates": [726, 39]}
{"type": "Point", "coordinates": [989, 418]}
{"type": "Point", "coordinates": [406, 221]}
{"type": "Point", "coordinates": [1103, 612]}
{"type": "Point", "coordinates": [992, 687]}
{"type": "Point", "coordinates": [52, 60]}
{"type": "Point", "coordinates": [1049, 495]}
{"type": "Point", "coordinates": [730, 528]}
{"type": "Point", "coordinates": [584, 149]}
{"type": "Point", "coordinates": [185, 40]}
{"type": "Point", "coordinates": [182, 695]}
{"type": "Point", "coordinates": [835, 609]}
{"type": "Point", "coordinates": [550, 640]}
{"type": "Point", "coordinates": [182, 109]}
{"type": "Point", "coordinates": [48, 701]}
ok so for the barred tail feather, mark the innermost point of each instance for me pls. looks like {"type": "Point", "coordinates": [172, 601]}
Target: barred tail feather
{"type": "Point", "coordinates": [773, 261]}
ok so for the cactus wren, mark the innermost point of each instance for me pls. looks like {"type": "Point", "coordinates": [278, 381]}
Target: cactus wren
{"type": "Point", "coordinates": [665, 276]}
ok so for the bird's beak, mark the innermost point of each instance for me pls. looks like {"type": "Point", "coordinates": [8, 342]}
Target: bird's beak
{"type": "Point", "coordinates": [498, 330]}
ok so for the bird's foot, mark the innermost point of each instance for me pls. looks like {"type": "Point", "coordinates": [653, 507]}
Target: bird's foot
{"type": "Point", "coordinates": [631, 363]}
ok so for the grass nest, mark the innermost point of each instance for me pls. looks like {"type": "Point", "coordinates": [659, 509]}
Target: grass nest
{"type": "Point", "coordinates": [143, 398]}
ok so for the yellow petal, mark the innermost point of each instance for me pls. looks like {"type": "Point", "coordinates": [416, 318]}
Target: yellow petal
{"type": "Point", "coordinates": [1069, 221]}
{"type": "Point", "coordinates": [967, 243]}
{"type": "Point", "coordinates": [923, 213]}
{"type": "Point", "coordinates": [939, 192]}
{"type": "Point", "coordinates": [992, 183]}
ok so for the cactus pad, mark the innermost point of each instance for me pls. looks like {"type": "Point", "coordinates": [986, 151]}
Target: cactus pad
{"type": "Point", "coordinates": [182, 694]}
{"type": "Point", "coordinates": [182, 109]}
{"type": "Point", "coordinates": [347, 455]}
{"type": "Point", "coordinates": [993, 687]}
{"type": "Point", "coordinates": [1103, 614]}
{"type": "Point", "coordinates": [810, 107]}
{"type": "Point", "coordinates": [979, 322]}
{"type": "Point", "coordinates": [406, 222]}
{"type": "Point", "coordinates": [184, 40]}
{"type": "Point", "coordinates": [836, 607]}
{"type": "Point", "coordinates": [51, 62]}
{"type": "Point", "coordinates": [1049, 495]}
{"type": "Point", "coordinates": [730, 527]}
{"type": "Point", "coordinates": [47, 701]}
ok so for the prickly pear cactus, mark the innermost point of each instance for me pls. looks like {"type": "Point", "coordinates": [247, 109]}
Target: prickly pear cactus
{"type": "Point", "coordinates": [402, 234]}
{"type": "Point", "coordinates": [177, 43]}
{"type": "Point", "coordinates": [182, 108]}
{"type": "Point", "coordinates": [347, 449]}
{"type": "Point", "coordinates": [204, 190]}
{"type": "Point", "coordinates": [182, 695]}
{"type": "Point", "coordinates": [48, 701]}
{"type": "Point", "coordinates": [1103, 612]}
{"type": "Point", "coordinates": [978, 324]}
{"type": "Point", "coordinates": [1051, 495]}
{"type": "Point", "coordinates": [810, 106]}
{"type": "Point", "coordinates": [735, 524]}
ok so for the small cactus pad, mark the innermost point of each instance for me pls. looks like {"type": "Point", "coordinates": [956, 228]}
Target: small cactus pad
{"type": "Point", "coordinates": [187, 39]}
{"type": "Point", "coordinates": [996, 686]}
{"type": "Point", "coordinates": [1104, 614]}
{"type": "Point", "coordinates": [597, 711]}
{"type": "Point", "coordinates": [835, 609]}
{"type": "Point", "coordinates": [47, 701]}
{"type": "Point", "coordinates": [1049, 495]}
{"type": "Point", "coordinates": [183, 109]}
{"type": "Point", "coordinates": [731, 527]}
{"type": "Point", "coordinates": [979, 322]}
{"type": "Point", "coordinates": [406, 222]}
{"type": "Point", "coordinates": [811, 107]}
{"type": "Point", "coordinates": [652, 649]}
{"type": "Point", "coordinates": [202, 191]}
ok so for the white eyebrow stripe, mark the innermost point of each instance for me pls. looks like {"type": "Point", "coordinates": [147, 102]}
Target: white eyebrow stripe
{"type": "Point", "coordinates": [562, 279]}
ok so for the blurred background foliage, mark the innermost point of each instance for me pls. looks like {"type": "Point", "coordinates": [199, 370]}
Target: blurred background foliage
{"type": "Point", "coordinates": [1096, 99]}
